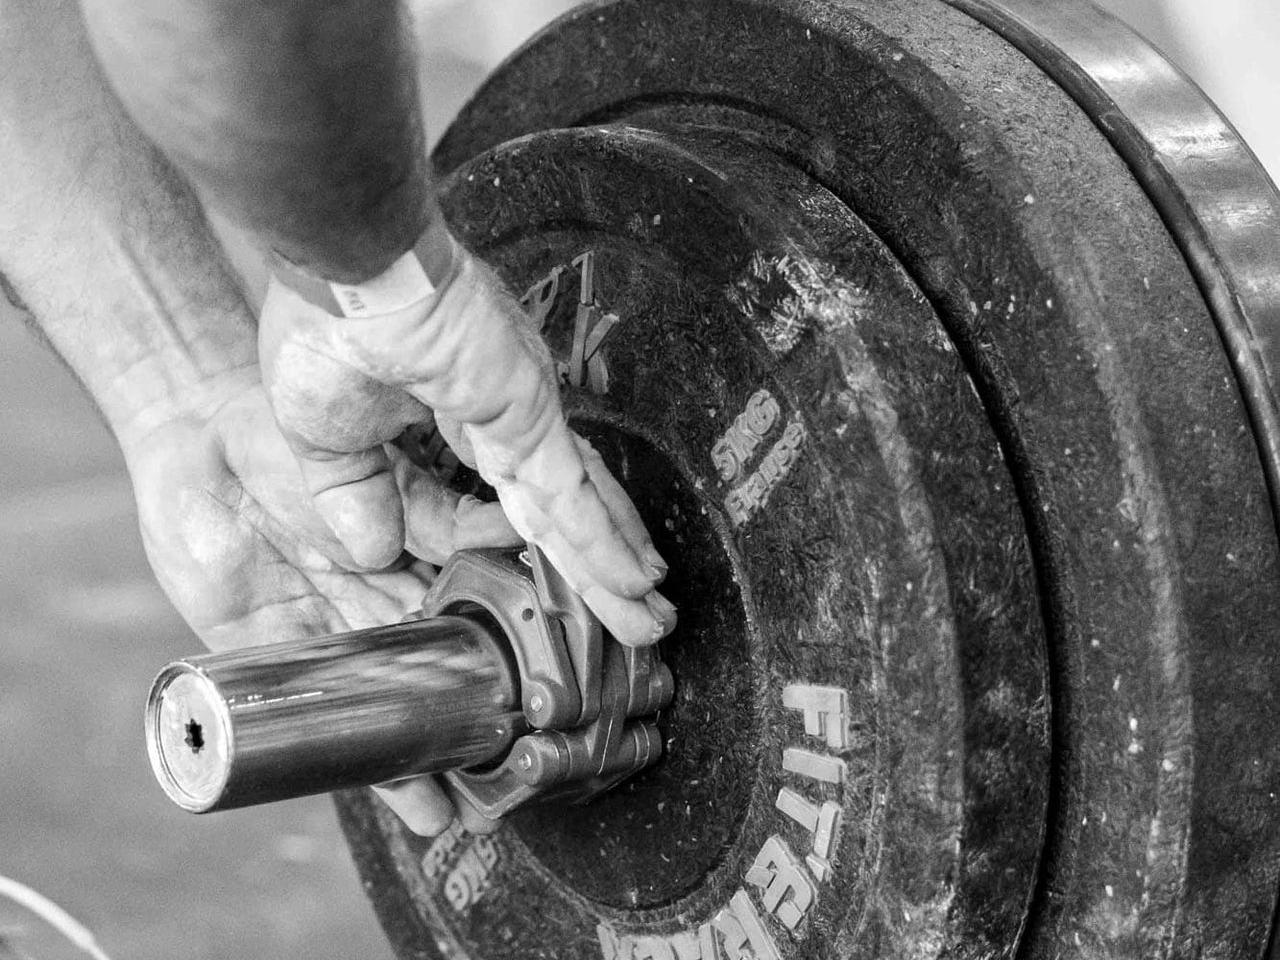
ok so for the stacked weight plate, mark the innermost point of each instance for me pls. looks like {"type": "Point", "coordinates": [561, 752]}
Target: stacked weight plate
{"type": "Point", "coordinates": [936, 344]}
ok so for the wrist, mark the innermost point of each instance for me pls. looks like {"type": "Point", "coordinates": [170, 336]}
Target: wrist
{"type": "Point", "coordinates": [162, 390]}
{"type": "Point", "coordinates": [471, 354]}
{"type": "Point", "coordinates": [145, 361]}
{"type": "Point", "coordinates": [144, 313]}
{"type": "Point", "coordinates": [416, 278]}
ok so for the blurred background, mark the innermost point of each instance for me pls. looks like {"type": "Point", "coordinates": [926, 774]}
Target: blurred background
{"type": "Point", "coordinates": [83, 628]}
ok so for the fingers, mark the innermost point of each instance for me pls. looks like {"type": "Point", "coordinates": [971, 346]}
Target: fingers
{"type": "Point", "coordinates": [637, 623]}
{"type": "Point", "coordinates": [633, 621]}
{"type": "Point", "coordinates": [439, 521]}
{"type": "Point", "coordinates": [420, 802]}
{"type": "Point", "coordinates": [590, 532]}
{"type": "Point", "coordinates": [555, 494]}
{"type": "Point", "coordinates": [427, 808]}
{"type": "Point", "coordinates": [337, 409]}
{"type": "Point", "coordinates": [620, 508]}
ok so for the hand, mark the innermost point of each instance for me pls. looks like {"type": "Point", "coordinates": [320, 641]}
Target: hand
{"type": "Point", "coordinates": [230, 531]}
{"type": "Point", "coordinates": [342, 388]}
{"type": "Point", "coordinates": [166, 349]}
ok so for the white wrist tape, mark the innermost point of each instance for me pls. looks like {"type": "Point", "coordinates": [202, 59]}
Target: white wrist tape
{"type": "Point", "coordinates": [419, 274]}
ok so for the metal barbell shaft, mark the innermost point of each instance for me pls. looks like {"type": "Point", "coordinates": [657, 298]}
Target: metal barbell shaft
{"type": "Point", "coordinates": [286, 720]}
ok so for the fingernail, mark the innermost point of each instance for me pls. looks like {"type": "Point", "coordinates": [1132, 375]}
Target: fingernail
{"type": "Point", "coordinates": [664, 613]}
{"type": "Point", "coordinates": [657, 566]}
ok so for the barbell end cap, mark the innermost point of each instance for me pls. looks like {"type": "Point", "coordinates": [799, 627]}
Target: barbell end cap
{"type": "Point", "coordinates": [189, 737]}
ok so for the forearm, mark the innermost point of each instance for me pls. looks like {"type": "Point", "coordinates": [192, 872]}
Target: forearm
{"type": "Point", "coordinates": [100, 242]}
{"type": "Point", "coordinates": [298, 120]}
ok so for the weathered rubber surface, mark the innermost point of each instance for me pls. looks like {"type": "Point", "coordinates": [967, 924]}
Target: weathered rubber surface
{"type": "Point", "coordinates": [1217, 200]}
{"type": "Point", "coordinates": [1022, 523]}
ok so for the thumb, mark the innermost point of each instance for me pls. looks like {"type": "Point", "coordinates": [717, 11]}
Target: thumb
{"type": "Point", "coordinates": [357, 496]}
{"type": "Point", "coordinates": [335, 419]}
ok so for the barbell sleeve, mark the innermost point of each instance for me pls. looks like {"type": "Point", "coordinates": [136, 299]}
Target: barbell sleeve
{"type": "Point", "coordinates": [286, 720]}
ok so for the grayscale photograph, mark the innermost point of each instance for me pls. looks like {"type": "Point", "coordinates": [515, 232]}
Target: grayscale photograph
{"type": "Point", "coordinates": [639, 480]}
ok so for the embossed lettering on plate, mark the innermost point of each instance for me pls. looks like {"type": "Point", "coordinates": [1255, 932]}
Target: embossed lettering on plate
{"type": "Point", "coordinates": [438, 854]}
{"type": "Point", "coordinates": [823, 821]}
{"type": "Point", "coordinates": [585, 366]}
{"type": "Point", "coordinates": [826, 718]}
{"type": "Point", "coordinates": [788, 887]}
{"type": "Point", "coordinates": [472, 875]}
{"type": "Point", "coordinates": [742, 931]}
{"type": "Point", "coordinates": [825, 709]}
{"type": "Point", "coordinates": [732, 454]}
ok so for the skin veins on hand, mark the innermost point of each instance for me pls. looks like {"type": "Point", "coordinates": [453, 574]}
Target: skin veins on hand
{"type": "Point", "coordinates": [103, 245]}
{"type": "Point", "coordinates": [111, 254]}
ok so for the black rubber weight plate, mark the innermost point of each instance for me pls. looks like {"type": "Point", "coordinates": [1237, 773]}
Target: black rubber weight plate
{"type": "Point", "coordinates": [923, 404]}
